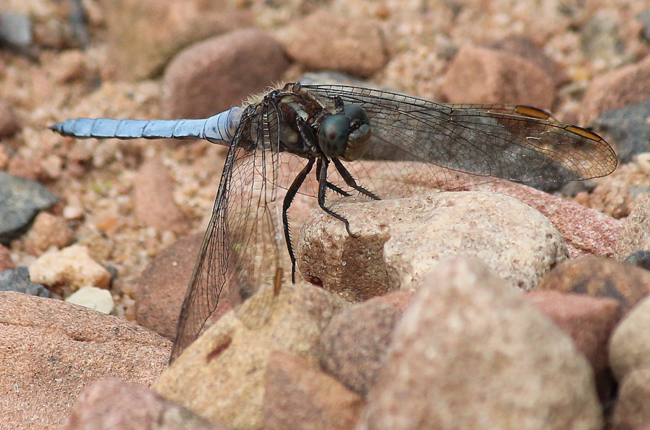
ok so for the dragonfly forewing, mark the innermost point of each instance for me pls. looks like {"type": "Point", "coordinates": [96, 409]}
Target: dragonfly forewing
{"type": "Point", "coordinates": [489, 140]}
{"type": "Point", "coordinates": [240, 255]}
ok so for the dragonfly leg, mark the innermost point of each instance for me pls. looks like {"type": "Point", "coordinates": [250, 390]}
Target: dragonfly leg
{"type": "Point", "coordinates": [322, 188]}
{"type": "Point", "coordinates": [347, 177]}
{"type": "Point", "coordinates": [288, 199]}
{"type": "Point", "coordinates": [331, 186]}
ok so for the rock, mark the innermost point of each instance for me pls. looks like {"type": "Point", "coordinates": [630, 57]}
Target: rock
{"type": "Point", "coordinates": [93, 298]}
{"type": "Point", "coordinates": [298, 395]}
{"type": "Point", "coordinates": [357, 49]}
{"type": "Point", "coordinates": [354, 344]}
{"type": "Point", "coordinates": [640, 259]}
{"type": "Point", "coordinates": [52, 350]}
{"type": "Point", "coordinates": [631, 408]}
{"type": "Point", "coordinates": [614, 90]}
{"type": "Point", "coordinates": [599, 277]}
{"type": "Point", "coordinates": [21, 200]}
{"type": "Point", "coordinates": [48, 231]}
{"type": "Point", "coordinates": [628, 127]}
{"type": "Point", "coordinates": [162, 285]}
{"type": "Point", "coordinates": [527, 49]}
{"type": "Point", "coordinates": [18, 280]}
{"type": "Point", "coordinates": [5, 259]}
{"type": "Point", "coordinates": [635, 232]}
{"type": "Point", "coordinates": [153, 195]}
{"type": "Point", "coordinates": [71, 267]}
{"type": "Point", "coordinates": [479, 75]}
{"type": "Point", "coordinates": [629, 346]}
{"type": "Point", "coordinates": [218, 73]}
{"type": "Point", "coordinates": [588, 320]}
{"type": "Point", "coordinates": [600, 38]}
{"type": "Point", "coordinates": [138, 48]}
{"type": "Point", "coordinates": [467, 352]}
{"type": "Point", "coordinates": [15, 29]}
{"type": "Point", "coordinates": [9, 124]}
{"type": "Point", "coordinates": [585, 231]}
{"type": "Point", "coordinates": [397, 242]}
{"type": "Point", "coordinates": [25, 168]}
{"type": "Point", "coordinates": [115, 405]}
{"type": "Point", "coordinates": [644, 17]}
{"type": "Point", "coordinates": [221, 375]}
{"type": "Point", "coordinates": [399, 300]}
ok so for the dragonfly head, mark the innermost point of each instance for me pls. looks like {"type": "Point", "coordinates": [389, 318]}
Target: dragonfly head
{"type": "Point", "coordinates": [345, 135]}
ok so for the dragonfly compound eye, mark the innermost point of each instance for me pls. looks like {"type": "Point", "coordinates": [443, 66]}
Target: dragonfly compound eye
{"type": "Point", "coordinates": [333, 135]}
{"type": "Point", "coordinates": [359, 138]}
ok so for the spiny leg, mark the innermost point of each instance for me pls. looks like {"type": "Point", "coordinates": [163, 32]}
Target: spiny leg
{"type": "Point", "coordinates": [288, 199]}
{"type": "Point", "coordinates": [322, 189]}
{"type": "Point", "coordinates": [331, 186]}
{"type": "Point", "coordinates": [347, 177]}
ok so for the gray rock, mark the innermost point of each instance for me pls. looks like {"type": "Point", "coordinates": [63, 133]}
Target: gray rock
{"type": "Point", "coordinates": [15, 29]}
{"type": "Point", "coordinates": [472, 353]}
{"type": "Point", "coordinates": [397, 242]}
{"type": "Point", "coordinates": [20, 200]}
{"type": "Point", "coordinates": [629, 128]}
{"type": "Point", "coordinates": [18, 280]}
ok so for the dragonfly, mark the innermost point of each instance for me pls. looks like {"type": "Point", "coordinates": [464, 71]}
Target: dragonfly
{"type": "Point", "coordinates": [329, 133]}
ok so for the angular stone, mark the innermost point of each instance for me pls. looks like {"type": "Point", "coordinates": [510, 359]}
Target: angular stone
{"type": "Point", "coordinates": [70, 267]}
{"type": "Point", "coordinates": [397, 242]}
{"type": "Point", "coordinates": [93, 298]}
{"type": "Point", "coordinates": [471, 353]}
{"type": "Point", "coordinates": [18, 280]}
{"type": "Point", "coordinates": [298, 395]}
{"type": "Point", "coordinates": [21, 200]}
{"type": "Point", "coordinates": [354, 344]}
{"type": "Point", "coordinates": [221, 375]}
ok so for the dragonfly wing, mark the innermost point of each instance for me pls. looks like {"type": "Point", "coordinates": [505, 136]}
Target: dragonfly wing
{"type": "Point", "coordinates": [492, 140]}
{"type": "Point", "coordinates": [240, 251]}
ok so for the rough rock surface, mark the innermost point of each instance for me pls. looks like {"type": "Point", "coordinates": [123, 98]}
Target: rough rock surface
{"type": "Point", "coordinates": [52, 350]}
{"type": "Point", "coordinates": [397, 242]}
{"type": "Point", "coordinates": [221, 375]}
{"type": "Point", "coordinates": [469, 339]}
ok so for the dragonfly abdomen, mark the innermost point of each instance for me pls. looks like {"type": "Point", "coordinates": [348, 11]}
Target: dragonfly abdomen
{"type": "Point", "coordinates": [220, 127]}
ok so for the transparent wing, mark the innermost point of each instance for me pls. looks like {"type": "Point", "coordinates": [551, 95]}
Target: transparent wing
{"type": "Point", "coordinates": [510, 142]}
{"type": "Point", "coordinates": [242, 244]}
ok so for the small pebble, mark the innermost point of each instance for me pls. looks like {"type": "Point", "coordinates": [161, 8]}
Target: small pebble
{"type": "Point", "coordinates": [93, 298]}
{"type": "Point", "coordinates": [18, 280]}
